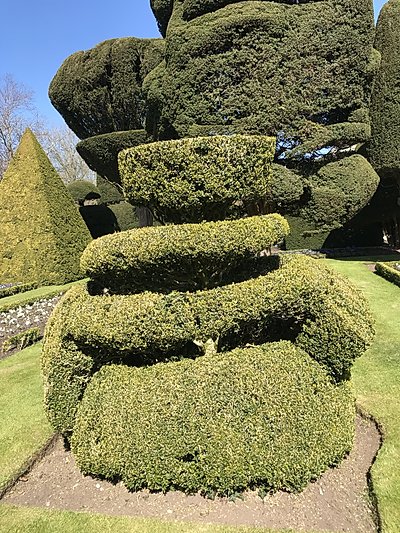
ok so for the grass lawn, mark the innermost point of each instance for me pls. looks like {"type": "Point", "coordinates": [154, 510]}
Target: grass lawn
{"type": "Point", "coordinates": [376, 378]}
{"type": "Point", "coordinates": [377, 384]}
{"type": "Point", "coordinates": [23, 425]}
{"type": "Point", "coordinates": [28, 297]}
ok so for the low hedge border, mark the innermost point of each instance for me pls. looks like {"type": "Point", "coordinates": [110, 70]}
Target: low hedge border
{"type": "Point", "coordinates": [303, 301]}
{"type": "Point", "coordinates": [31, 296]}
{"type": "Point", "coordinates": [16, 289]}
{"type": "Point", "coordinates": [183, 257]}
{"type": "Point", "coordinates": [387, 271]}
{"type": "Point", "coordinates": [22, 340]}
{"type": "Point", "coordinates": [266, 416]}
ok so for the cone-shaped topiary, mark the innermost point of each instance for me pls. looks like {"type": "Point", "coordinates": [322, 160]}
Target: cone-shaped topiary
{"type": "Point", "coordinates": [42, 234]}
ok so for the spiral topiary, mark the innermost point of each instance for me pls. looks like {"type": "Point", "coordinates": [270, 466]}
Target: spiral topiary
{"type": "Point", "coordinates": [192, 360]}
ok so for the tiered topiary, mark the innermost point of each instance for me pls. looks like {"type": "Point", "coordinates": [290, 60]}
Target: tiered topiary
{"type": "Point", "coordinates": [192, 360]}
{"type": "Point", "coordinates": [42, 234]}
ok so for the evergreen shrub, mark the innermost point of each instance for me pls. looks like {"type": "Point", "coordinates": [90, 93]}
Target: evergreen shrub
{"type": "Point", "coordinates": [125, 214]}
{"type": "Point", "coordinates": [265, 416]}
{"type": "Point", "coordinates": [101, 151]}
{"type": "Point", "coordinates": [180, 257]}
{"type": "Point", "coordinates": [389, 272]}
{"type": "Point", "coordinates": [302, 301]}
{"type": "Point", "coordinates": [22, 340]}
{"type": "Point", "coordinates": [110, 192]}
{"type": "Point", "coordinates": [16, 289]}
{"type": "Point", "coordinates": [191, 180]}
{"type": "Point", "coordinates": [42, 234]}
{"type": "Point", "coordinates": [82, 190]}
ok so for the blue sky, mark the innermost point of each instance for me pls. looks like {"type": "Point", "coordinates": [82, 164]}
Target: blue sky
{"type": "Point", "coordinates": [36, 37]}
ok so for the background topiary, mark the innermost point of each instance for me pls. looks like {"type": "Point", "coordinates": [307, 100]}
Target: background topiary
{"type": "Point", "coordinates": [42, 234]}
{"type": "Point", "coordinates": [301, 71]}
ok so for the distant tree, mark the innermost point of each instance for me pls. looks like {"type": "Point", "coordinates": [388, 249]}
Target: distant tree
{"type": "Point", "coordinates": [59, 144]}
{"type": "Point", "coordinates": [17, 112]}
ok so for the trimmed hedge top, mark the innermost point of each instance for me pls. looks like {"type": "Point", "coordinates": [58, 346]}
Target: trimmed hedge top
{"type": "Point", "coordinates": [265, 416]}
{"type": "Point", "coordinates": [183, 257]}
{"type": "Point", "coordinates": [190, 180]}
{"type": "Point", "coordinates": [302, 301]}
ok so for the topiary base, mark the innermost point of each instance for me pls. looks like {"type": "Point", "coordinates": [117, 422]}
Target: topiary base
{"type": "Point", "coordinates": [266, 416]}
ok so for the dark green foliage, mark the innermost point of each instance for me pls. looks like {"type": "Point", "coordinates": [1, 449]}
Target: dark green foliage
{"type": "Point", "coordinates": [162, 10]}
{"type": "Point", "coordinates": [100, 90]}
{"type": "Point", "coordinates": [267, 416]}
{"type": "Point", "coordinates": [22, 340]}
{"type": "Point", "coordinates": [302, 301]}
{"type": "Point", "coordinates": [125, 215]}
{"type": "Point", "coordinates": [182, 257]}
{"type": "Point", "coordinates": [385, 101]}
{"type": "Point", "coordinates": [42, 234]}
{"type": "Point", "coordinates": [191, 180]}
{"type": "Point", "coordinates": [83, 190]}
{"type": "Point", "coordinates": [101, 152]}
{"type": "Point", "coordinates": [16, 289]}
{"type": "Point", "coordinates": [333, 195]}
{"type": "Point", "coordinates": [99, 219]}
{"type": "Point", "coordinates": [268, 68]}
{"type": "Point", "coordinates": [110, 193]}
{"type": "Point", "coordinates": [389, 272]}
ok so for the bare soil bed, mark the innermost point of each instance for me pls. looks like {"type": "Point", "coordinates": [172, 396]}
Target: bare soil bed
{"type": "Point", "coordinates": [339, 501]}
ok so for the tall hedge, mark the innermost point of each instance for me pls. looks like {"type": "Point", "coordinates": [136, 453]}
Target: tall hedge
{"type": "Point", "coordinates": [42, 234]}
{"type": "Point", "coordinates": [385, 101]}
{"type": "Point", "coordinates": [100, 90]}
{"type": "Point", "coordinates": [287, 68]}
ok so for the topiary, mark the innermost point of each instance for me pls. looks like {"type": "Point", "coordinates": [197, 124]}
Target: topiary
{"type": "Point", "coordinates": [210, 397]}
{"type": "Point", "coordinates": [42, 234]}
{"type": "Point", "coordinates": [110, 193]}
{"type": "Point", "coordinates": [272, 397]}
{"type": "Point", "coordinates": [191, 180]}
{"type": "Point", "coordinates": [83, 190]}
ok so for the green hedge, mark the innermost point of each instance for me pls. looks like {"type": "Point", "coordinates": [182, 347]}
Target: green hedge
{"type": "Point", "coordinates": [101, 151]}
{"type": "Point", "coordinates": [126, 216]}
{"type": "Point", "coordinates": [42, 234]}
{"type": "Point", "coordinates": [100, 90]}
{"type": "Point", "coordinates": [197, 179]}
{"type": "Point", "coordinates": [303, 301]}
{"type": "Point", "coordinates": [82, 190]}
{"type": "Point", "coordinates": [110, 192]}
{"type": "Point", "coordinates": [16, 289]}
{"type": "Point", "coordinates": [387, 271]}
{"type": "Point", "coordinates": [182, 257]}
{"type": "Point", "coordinates": [22, 340]}
{"type": "Point", "coordinates": [265, 416]}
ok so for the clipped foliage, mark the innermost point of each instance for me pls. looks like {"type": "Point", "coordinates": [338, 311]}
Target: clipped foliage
{"type": "Point", "coordinates": [289, 68]}
{"type": "Point", "coordinates": [191, 180]}
{"type": "Point", "coordinates": [83, 190]}
{"type": "Point", "coordinates": [16, 289]}
{"type": "Point", "coordinates": [335, 194]}
{"type": "Point", "coordinates": [183, 257]}
{"type": "Point", "coordinates": [110, 193]}
{"type": "Point", "coordinates": [125, 215]}
{"type": "Point", "coordinates": [385, 102]}
{"type": "Point", "coordinates": [267, 416]}
{"type": "Point", "coordinates": [302, 301]}
{"type": "Point", "coordinates": [22, 340]}
{"type": "Point", "coordinates": [42, 234]}
{"type": "Point", "coordinates": [101, 151]}
{"type": "Point", "coordinates": [100, 90]}
{"type": "Point", "coordinates": [389, 272]}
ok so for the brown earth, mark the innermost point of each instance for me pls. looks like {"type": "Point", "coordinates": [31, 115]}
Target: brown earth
{"type": "Point", "coordinates": [339, 501]}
